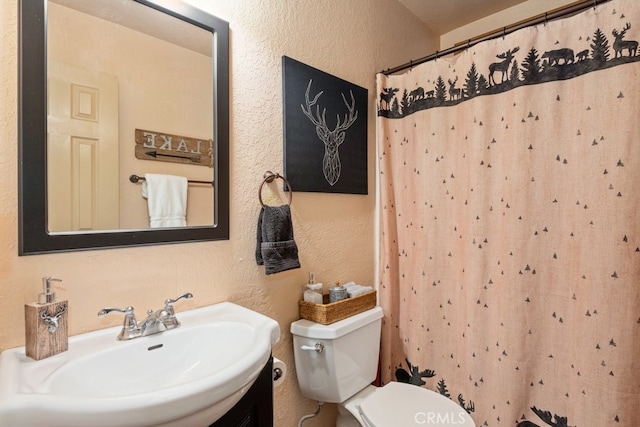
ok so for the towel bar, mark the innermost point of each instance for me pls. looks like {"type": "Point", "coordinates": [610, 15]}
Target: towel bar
{"type": "Point", "coordinates": [135, 178]}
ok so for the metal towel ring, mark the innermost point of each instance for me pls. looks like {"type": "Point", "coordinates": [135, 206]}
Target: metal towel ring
{"type": "Point", "coordinates": [268, 178]}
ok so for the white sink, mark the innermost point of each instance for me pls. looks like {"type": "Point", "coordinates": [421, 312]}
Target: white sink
{"type": "Point", "coordinates": [189, 376]}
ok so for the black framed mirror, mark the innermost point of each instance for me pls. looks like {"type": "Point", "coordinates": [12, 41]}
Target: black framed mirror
{"type": "Point", "coordinates": [35, 236]}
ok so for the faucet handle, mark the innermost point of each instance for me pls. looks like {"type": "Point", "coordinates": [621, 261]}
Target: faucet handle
{"type": "Point", "coordinates": [127, 311]}
{"type": "Point", "coordinates": [129, 327]}
{"type": "Point", "coordinates": [172, 322]}
{"type": "Point", "coordinates": [168, 303]}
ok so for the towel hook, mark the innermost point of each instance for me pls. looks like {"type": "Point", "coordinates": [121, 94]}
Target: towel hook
{"type": "Point", "coordinates": [269, 177]}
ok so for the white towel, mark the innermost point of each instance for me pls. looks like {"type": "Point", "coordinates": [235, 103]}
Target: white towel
{"type": "Point", "coordinates": [167, 199]}
{"type": "Point", "coordinates": [353, 289]}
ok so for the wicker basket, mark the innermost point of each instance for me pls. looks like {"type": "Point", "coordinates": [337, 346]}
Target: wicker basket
{"type": "Point", "coordinates": [332, 312]}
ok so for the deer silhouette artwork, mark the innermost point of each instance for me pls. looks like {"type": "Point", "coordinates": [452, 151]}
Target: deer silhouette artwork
{"type": "Point", "coordinates": [471, 407]}
{"type": "Point", "coordinates": [620, 45]}
{"type": "Point", "coordinates": [454, 93]}
{"type": "Point", "coordinates": [331, 138]}
{"type": "Point", "coordinates": [502, 66]}
{"type": "Point", "coordinates": [387, 96]}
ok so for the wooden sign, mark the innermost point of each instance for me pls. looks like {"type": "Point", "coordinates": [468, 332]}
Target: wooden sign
{"type": "Point", "coordinates": [164, 147]}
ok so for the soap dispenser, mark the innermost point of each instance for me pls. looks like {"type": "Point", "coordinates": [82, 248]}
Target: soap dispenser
{"type": "Point", "coordinates": [314, 291]}
{"type": "Point", "coordinates": [46, 330]}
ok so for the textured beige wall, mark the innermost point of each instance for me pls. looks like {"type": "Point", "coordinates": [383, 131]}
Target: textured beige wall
{"type": "Point", "coordinates": [335, 233]}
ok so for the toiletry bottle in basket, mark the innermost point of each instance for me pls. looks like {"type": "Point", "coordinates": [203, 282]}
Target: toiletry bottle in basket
{"type": "Point", "coordinates": [314, 291]}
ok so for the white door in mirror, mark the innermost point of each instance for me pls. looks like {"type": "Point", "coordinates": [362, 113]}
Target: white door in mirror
{"type": "Point", "coordinates": [82, 149]}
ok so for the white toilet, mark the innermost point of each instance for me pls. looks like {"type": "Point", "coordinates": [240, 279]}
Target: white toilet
{"type": "Point", "coordinates": [337, 363]}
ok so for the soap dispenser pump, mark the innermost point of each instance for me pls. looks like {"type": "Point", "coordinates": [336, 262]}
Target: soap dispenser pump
{"type": "Point", "coordinates": [47, 295]}
{"type": "Point", "coordinates": [46, 326]}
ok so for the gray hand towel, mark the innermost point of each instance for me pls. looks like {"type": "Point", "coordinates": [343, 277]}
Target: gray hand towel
{"type": "Point", "coordinates": [275, 247]}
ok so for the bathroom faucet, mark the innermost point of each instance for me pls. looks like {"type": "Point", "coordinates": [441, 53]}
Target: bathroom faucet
{"type": "Point", "coordinates": [156, 321]}
{"type": "Point", "coordinates": [130, 328]}
{"type": "Point", "coordinates": [163, 319]}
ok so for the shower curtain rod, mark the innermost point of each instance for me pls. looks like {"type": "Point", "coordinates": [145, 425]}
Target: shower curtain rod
{"type": "Point", "coordinates": [560, 12]}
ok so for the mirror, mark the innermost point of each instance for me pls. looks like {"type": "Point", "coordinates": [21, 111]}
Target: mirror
{"type": "Point", "coordinates": [151, 115]}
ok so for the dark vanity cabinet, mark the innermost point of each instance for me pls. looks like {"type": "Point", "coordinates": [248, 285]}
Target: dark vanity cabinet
{"type": "Point", "coordinates": [255, 409]}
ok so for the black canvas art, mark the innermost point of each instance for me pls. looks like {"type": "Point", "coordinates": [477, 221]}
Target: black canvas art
{"type": "Point", "coordinates": [325, 131]}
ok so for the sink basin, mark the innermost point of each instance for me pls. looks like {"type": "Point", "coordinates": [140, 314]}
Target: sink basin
{"type": "Point", "coordinates": [189, 376]}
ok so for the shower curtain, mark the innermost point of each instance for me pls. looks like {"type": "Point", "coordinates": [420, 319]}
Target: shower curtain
{"type": "Point", "coordinates": [510, 224]}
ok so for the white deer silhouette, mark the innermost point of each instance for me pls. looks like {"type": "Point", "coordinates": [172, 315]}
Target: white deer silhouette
{"type": "Point", "coordinates": [331, 138]}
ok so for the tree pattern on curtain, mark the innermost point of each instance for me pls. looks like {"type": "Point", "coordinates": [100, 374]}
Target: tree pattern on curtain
{"type": "Point", "coordinates": [510, 233]}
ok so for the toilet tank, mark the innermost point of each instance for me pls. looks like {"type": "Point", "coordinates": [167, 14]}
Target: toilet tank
{"type": "Point", "coordinates": [348, 361]}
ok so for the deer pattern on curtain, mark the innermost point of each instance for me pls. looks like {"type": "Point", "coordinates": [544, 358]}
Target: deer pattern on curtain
{"type": "Point", "coordinates": [510, 225]}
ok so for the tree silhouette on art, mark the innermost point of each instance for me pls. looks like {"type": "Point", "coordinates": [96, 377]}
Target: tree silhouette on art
{"type": "Point", "coordinates": [483, 83]}
{"type": "Point", "coordinates": [442, 388]}
{"type": "Point", "coordinates": [471, 82]}
{"type": "Point", "coordinates": [600, 47]}
{"type": "Point", "coordinates": [441, 90]}
{"type": "Point", "coordinates": [531, 65]}
{"type": "Point", "coordinates": [395, 107]}
{"type": "Point", "coordinates": [404, 104]}
{"type": "Point", "coordinates": [514, 76]}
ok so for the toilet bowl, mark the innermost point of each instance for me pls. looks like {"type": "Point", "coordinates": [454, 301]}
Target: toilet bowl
{"type": "Point", "coordinates": [338, 362]}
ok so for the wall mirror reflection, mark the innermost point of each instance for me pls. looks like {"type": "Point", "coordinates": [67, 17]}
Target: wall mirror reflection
{"type": "Point", "coordinates": [131, 88]}
{"type": "Point", "coordinates": [159, 81]}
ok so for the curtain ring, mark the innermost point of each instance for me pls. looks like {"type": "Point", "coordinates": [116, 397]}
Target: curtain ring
{"type": "Point", "coordinates": [545, 19]}
{"type": "Point", "coordinates": [504, 32]}
{"type": "Point", "coordinates": [436, 55]}
{"type": "Point", "coordinates": [410, 64]}
{"type": "Point", "coordinates": [468, 43]}
{"type": "Point", "coordinates": [594, 4]}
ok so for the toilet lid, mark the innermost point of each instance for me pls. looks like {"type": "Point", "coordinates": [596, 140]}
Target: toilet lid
{"type": "Point", "coordinates": [401, 404]}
